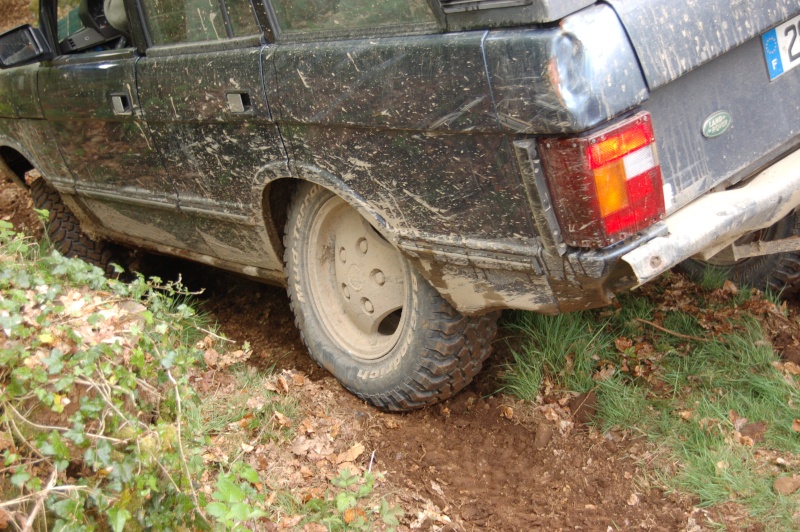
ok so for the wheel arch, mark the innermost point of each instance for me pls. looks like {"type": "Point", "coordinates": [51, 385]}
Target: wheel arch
{"type": "Point", "coordinates": [15, 164]}
{"type": "Point", "coordinates": [277, 193]}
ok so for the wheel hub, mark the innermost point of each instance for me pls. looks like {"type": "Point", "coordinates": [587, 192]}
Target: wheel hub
{"type": "Point", "coordinates": [358, 281]}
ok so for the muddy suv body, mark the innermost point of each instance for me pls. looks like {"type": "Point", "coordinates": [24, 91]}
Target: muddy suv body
{"type": "Point", "coordinates": [527, 154]}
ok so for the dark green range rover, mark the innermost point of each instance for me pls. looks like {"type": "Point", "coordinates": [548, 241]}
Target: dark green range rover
{"type": "Point", "coordinates": [409, 167]}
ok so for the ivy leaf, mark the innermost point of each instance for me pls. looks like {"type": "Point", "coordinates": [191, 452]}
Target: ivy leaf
{"type": "Point", "coordinates": [344, 500]}
{"type": "Point", "coordinates": [240, 511]}
{"type": "Point", "coordinates": [227, 491]}
{"type": "Point", "coordinates": [217, 509]}
{"type": "Point", "coordinates": [117, 518]}
{"type": "Point", "coordinates": [249, 474]}
{"type": "Point", "coordinates": [390, 514]}
{"type": "Point", "coordinates": [20, 478]}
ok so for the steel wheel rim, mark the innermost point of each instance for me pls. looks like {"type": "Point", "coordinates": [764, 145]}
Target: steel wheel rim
{"type": "Point", "coordinates": [358, 283]}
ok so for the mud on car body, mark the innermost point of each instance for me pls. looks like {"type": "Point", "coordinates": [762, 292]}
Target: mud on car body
{"type": "Point", "coordinates": [408, 168]}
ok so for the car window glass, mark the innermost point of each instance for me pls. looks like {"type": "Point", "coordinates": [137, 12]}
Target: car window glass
{"type": "Point", "coordinates": [310, 15]}
{"type": "Point", "coordinates": [90, 30]}
{"type": "Point", "coordinates": [68, 21]}
{"type": "Point", "coordinates": [175, 21]}
{"type": "Point", "coordinates": [242, 17]}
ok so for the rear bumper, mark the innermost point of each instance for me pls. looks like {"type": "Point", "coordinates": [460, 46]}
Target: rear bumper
{"type": "Point", "coordinates": [715, 220]}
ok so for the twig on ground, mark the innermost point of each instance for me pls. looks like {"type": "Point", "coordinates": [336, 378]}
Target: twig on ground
{"type": "Point", "coordinates": [60, 429]}
{"type": "Point", "coordinates": [184, 463]}
{"type": "Point", "coordinates": [673, 333]}
{"type": "Point", "coordinates": [40, 496]}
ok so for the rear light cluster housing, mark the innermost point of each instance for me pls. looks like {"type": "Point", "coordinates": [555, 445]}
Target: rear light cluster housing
{"type": "Point", "coordinates": [605, 186]}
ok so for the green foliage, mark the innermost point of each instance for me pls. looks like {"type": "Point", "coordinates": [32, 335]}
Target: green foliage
{"type": "Point", "coordinates": [97, 414]}
{"type": "Point", "coordinates": [564, 347]}
{"type": "Point", "coordinates": [343, 507]}
{"type": "Point", "coordinates": [75, 391]}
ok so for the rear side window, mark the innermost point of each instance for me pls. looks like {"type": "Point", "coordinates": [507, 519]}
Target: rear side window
{"type": "Point", "coordinates": [314, 15]}
{"type": "Point", "coordinates": [186, 21]}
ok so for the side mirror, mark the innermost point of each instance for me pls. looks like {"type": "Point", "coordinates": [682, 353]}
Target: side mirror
{"type": "Point", "coordinates": [23, 45]}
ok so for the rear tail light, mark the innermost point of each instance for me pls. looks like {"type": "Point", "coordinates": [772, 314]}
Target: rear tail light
{"type": "Point", "coordinates": [607, 186]}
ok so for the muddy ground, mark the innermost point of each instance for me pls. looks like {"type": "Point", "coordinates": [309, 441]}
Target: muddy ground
{"type": "Point", "coordinates": [481, 469]}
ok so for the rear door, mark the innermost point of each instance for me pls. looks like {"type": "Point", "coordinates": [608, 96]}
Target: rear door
{"type": "Point", "coordinates": [202, 92]}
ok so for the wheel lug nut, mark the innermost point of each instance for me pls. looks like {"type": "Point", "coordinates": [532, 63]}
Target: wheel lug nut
{"type": "Point", "coordinates": [368, 306]}
{"type": "Point", "coordinates": [379, 277]}
{"type": "Point", "coordinates": [362, 245]}
{"type": "Point", "coordinates": [343, 255]}
{"type": "Point", "coordinates": [345, 291]}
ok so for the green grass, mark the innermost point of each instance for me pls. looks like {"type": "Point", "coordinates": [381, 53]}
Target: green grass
{"type": "Point", "coordinates": [563, 347]}
{"type": "Point", "coordinates": [689, 402]}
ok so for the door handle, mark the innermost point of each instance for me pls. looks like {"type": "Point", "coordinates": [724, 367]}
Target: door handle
{"type": "Point", "coordinates": [239, 102]}
{"type": "Point", "coordinates": [121, 103]}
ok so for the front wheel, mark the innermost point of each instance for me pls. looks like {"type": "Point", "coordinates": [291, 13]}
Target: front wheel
{"type": "Point", "coordinates": [779, 272]}
{"type": "Point", "coordinates": [368, 317]}
{"type": "Point", "coordinates": [64, 230]}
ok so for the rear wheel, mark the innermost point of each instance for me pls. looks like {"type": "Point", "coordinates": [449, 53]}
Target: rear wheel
{"type": "Point", "coordinates": [64, 230]}
{"type": "Point", "coordinates": [368, 317]}
{"type": "Point", "coordinates": [779, 272]}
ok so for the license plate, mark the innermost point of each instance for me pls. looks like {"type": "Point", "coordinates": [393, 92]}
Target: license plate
{"type": "Point", "coordinates": [782, 47]}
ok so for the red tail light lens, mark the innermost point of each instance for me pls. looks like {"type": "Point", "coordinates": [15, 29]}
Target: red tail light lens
{"type": "Point", "coordinates": [606, 186]}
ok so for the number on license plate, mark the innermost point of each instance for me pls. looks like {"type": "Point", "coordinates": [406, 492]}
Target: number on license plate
{"type": "Point", "coordinates": [782, 48]}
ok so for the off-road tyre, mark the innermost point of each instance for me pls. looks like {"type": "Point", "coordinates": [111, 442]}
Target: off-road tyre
{"type": "Point", "coordinates": [437, 351]}
{"type": "Point", "coordinates": [778, 273]}
{"type": "Point", "coordinates": [64, 231]}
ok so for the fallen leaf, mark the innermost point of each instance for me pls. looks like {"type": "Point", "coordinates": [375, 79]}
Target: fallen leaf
{"type": "Point", "coordinates": [247, 448]}
{"type": "Point", "coordinates": [796, 425]}
{"type": "Point", "coordinates": [301, 446]}
{"type": "Point", "coordinates": [730, 288]}
{"type": "Point", "coordinates": [604, 374]}
{"type": "Point", "coordinates": [211, 357]}
{"type": "Point", "coordinates": [351, 454]}
{"type": "Point", "coordinates": [292, 521]}
{"type": "Point", "coordinates": [298, 379]}
{"type": "Point", "coordinates": [283, 385]}
{"type": "Point", "coordinates": [437, 489]}
{"type": "Point", "coordinates": [282, 420]}
{"type": "Point", "coordinates": [685, 414]}
{"type": "Point", "coordinates": [633, 500]}
{"type": "Point", "coordinates": [787, 485]}
{"type": "Point", "coordinates": [550, 414]}
{"type": "Point", "coordinates": [792, 368]}
{"type": "Point", "coordinates": [623, 344]}
{"type": "Point", "coordinates": [351, 513]}
{"type": "Point", "coordinates": [754, 431]}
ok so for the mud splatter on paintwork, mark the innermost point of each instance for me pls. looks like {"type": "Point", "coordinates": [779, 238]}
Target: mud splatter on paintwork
{"type": "Point", "coordinates": [672, 37]}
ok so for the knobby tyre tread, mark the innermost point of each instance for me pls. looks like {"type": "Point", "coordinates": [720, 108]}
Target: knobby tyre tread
{"type": "Point", "coordinates": [439, 353]}
{"type": "Point", "coordinates": [64, 231]}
